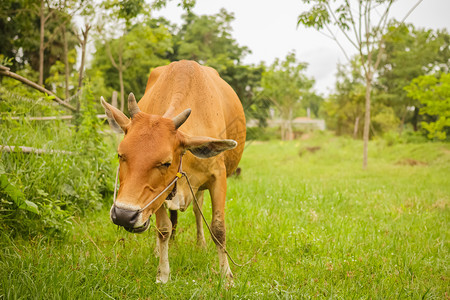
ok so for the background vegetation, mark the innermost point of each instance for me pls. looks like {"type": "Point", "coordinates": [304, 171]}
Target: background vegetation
{"type": "Point", "coordinates": [336, 230]}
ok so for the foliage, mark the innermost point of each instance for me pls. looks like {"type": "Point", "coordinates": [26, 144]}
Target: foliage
{"type": "Point", "coordinates": [385, 120]}
{"type": "Point", "coordinates": [345, 108]}
{"type": "Point", "coordinates": [409, 52]}
{"type": "Point", "coordinates": [285, 85]}
{"type": "Point", "coordinates": [19, 32]}
{"type": "Point", "coordinates": [208, 40]}
{"type": "Point", "coordinates": [143, 48]}
{"type": "Point", "coordinates": [41, 193]}
{"type": "Point", "coordinates": [362, 24]}
{"type": "Point", "coordinates": [126, 10]}
{"type": "Point", "coordinates": [335, 232]}
{"type": "Point", "coordinates": [434, 93]}
{"type": "Point", "coordinates": [313, 102]}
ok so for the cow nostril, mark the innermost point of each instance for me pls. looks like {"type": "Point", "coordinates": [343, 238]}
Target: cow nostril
{"type": "Point", "coordinates": [124, 217]}
{"type": "Point", "coordinates": [134, 218]}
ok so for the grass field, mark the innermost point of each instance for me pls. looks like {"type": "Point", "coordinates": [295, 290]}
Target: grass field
{"type": "Point", "coordinates": [336, 231]}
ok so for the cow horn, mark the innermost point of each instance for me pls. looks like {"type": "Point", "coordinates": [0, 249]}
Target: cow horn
{"type": "Point", "coordinates": [133, 108]}
{"type": "Point", "coordinates": [181, 118]}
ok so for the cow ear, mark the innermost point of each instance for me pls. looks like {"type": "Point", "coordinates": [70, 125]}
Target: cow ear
{"type": "Point", "coordinates": [205, 147]}
{"type": "Point", "coordinates": [117, 120]}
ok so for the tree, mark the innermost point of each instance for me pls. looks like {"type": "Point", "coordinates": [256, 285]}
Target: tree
{"type": "Point", "coordinates": [345, 108]}
{"type": "Point", "coordinates": [208, 40]}
{"type": "Point", "coordinates": [312, 102]}
{"type": "Point", "coordinates": [409, 53]}
{"type": "Point", "coordinates": [31, 40]}
{"type": "Point", "coordinates": [434, 93]}
{"type": "Point", "coordinates": [284, 84]}
{"type": "Point", "coordinates": [128, 12]}
{"type": "Point", "coordinates": [363, 30]}
{"type": "Point", "coordinates": [143, 48]}
{"type": "Point", "coordinates": [17, 20]}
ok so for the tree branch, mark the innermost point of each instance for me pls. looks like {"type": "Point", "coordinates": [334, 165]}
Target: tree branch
{"type": "Point", "coordinates": [411, 10]}
{"type": "Point", "coordinates": [29, 150]}
{"type": "Point", "coordinates": [6, 72]}
{"type": "Point", "coordinates": [111, 58]}
{"type": "Point", "coordinates": [340, 28]}
{"type": "Point", "coordinates": [352, 19]}
{"type": "Point", "coordinates": [333, 36]}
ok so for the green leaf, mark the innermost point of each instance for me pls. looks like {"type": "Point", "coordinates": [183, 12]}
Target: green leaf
{"type": "Point", "coordinates": [30, 206]}
{"type": "Point", "coordinates": [16, 195]}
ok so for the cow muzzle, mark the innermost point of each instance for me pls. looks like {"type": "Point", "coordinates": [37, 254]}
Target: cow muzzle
{"type": "Point", "coordinates": [128, 219]}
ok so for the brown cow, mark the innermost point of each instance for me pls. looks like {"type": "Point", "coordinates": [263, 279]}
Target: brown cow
{"type": "Point", "coordinates": [153, 147]}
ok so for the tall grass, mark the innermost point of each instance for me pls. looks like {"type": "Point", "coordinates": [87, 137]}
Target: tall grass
{"type": "Point", "coordinates": [336, 231]}
{"type": "Point", "coordinates": [41, 193]}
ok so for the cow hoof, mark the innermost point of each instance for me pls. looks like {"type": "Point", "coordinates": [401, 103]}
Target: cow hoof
{"type": "Point", "coordinates": [229, 280]}
{"type": "Point", "coordinates": [229, 284]}
{"type": "Point", "coordinates": [162, 279]}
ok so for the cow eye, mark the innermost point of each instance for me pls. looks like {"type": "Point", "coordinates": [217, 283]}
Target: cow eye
{"type": "Point", "coordinates": [166, 165]}
{"type": "Point", "coordinates": [119, 156]}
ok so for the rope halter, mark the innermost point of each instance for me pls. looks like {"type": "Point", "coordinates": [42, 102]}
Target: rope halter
{"type": "Point", "coordinates": [179, 174]}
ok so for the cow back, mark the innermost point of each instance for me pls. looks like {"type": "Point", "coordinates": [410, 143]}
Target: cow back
{"type": "Point", "coordinates": [216, 109]}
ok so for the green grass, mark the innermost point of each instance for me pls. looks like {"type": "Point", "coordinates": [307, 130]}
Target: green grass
{"type": "Point", "coordinates": [336, 231]}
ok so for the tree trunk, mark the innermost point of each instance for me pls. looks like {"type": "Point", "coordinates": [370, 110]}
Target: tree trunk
{"type": "Point", "coordinates": [122, 95]}
{"type": "Point", "coordinates": [41, 44]}
{"type": "Point", "coordinates": [83, 56]}
{"type": "Point", "coordinates": [355, 128]}
{"type": "Point", "coordinates": [402, 122]}
{"type": "Point", "coordinates": [122, 98]}
{"type": "Point", "coordinates": [283, 130]}
{"type": "Point", "coordinates": [114, 99]}
{"type": "Point", "coordinates": [290, 132]}
{"type": "Point", "coordinates": [367, 120]}
{"type": "Point", "coordinates": [83, 43]}
{"type": "Point", "coordinates": [415, 119]}
{"type": "Point", "coordinates": [66, 62]}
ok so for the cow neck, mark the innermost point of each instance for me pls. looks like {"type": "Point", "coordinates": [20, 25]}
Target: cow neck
{"type": "Point", "coordinates": [179, 174]}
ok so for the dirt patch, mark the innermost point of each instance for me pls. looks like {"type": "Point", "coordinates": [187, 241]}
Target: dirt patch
{"type": "Point", "coordinates": [309, 149]}
{"type": "Point", "coordinates": [440, 204]}
{"type": "Point", "coordinates": [305, 136]}
{"type": "Point", "coordinates": [411, 162]}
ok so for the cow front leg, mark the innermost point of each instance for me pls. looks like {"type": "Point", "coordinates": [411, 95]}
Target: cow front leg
{"type": "Point", "coordinates": [164, 226]}
{"type": "Point", "coordinates": [218, 192]}
{"type": "Point", "coordinates": [199, 220]}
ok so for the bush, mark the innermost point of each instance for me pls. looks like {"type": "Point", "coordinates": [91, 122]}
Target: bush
{"type": "Point", "coordinates": [263, 133]}
{"type": "Point", "coordinates": [41, 193]}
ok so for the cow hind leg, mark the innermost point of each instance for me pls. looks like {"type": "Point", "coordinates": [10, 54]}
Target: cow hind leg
{"type": "Point", "coordinates": [174, 220]}
{"type": "Point", "coordinates": [199, 220]}
{"type": "Point", "coordinates": [218, 195]}
{"type": "Point", "coordinates": [164, 226]}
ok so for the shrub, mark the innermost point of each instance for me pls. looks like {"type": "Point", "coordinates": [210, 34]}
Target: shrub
{"type": "Point", "coordinates": [41, 193]}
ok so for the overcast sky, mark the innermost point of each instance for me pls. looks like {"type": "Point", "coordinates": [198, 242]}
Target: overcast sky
{"type": "Point", "coordinates": [269, 29]}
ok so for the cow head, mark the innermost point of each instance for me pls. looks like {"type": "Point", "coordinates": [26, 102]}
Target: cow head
{"type": "Point", "coordinates": [149, 158]}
